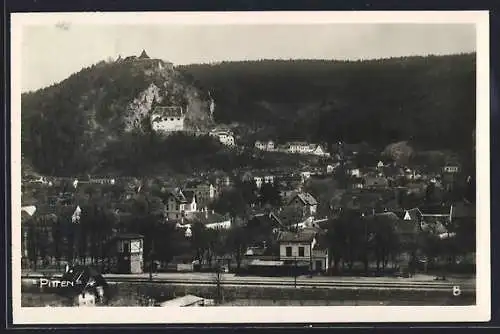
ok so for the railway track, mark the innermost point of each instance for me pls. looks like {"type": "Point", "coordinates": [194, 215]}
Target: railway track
{"type": "Point", "coordinates": [304, 283]}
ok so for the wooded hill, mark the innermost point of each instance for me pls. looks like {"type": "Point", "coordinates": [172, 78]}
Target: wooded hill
{"type": "Point", "coordinates": [428, 100]}
{"type": "Point", "coordinates": [78, 126]}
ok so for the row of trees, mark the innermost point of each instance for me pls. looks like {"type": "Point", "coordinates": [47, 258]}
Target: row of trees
{"type": "Point", "coordinates": [380, 101]}
{"type": "Point", "coordinates": [350, 238]}
{"type": "Point", "coordinates": [51, 234]}
{"type": "Point", "coordinates": [385, 239]}
{"type": "Point", "coordinates": [109, 209]}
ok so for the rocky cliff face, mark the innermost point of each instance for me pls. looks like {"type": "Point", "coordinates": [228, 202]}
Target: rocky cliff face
{"type": "Point", "coordinates": [98, 105]}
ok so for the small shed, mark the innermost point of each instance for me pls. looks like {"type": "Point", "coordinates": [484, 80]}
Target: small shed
{"type": "Point", "coordinates": [129, 253]}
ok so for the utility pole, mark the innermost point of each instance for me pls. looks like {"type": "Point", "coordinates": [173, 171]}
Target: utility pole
{"type": "Point", "coordinates": [295, 272]}
{"type": "Point", "coordinates": [151, 252]}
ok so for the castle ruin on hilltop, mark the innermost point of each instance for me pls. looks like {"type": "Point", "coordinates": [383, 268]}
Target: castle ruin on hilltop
{"type": "Point", "coordinates": [144, 57]}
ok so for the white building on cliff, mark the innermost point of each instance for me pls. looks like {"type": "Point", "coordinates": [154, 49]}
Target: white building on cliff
{"type": "Point", "coordinates": [226, 137]}
{"type": "Point", "coordinates": [168, 119]}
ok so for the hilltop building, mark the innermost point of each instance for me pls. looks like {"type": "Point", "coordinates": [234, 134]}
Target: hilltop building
{"type": "Point", "coordinates": [144, 58]}
{"type": "Point", "coordinates": [299, 147]}
{"type": "Point", "coordinates": [265, 146]}
{"type": "Point", "coordinates": [226, 137]}
{"type": "Point", "coordinates": [168, 119]}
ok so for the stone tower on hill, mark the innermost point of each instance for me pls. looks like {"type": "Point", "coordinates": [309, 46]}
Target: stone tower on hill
{"type": "Point", "coordinates": [144, 55]}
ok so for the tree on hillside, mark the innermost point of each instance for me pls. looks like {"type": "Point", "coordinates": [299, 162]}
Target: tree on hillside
{"type": "Point", "coordinates": [237, 242]}
{"type": "Point", "coordinates": [344, 236]}
{"type": "Point", "coordinates": [430, 193]}
{"type": "Point", "coordinates": [231, 202]}
{"type": "Point", "coordinates": [199, 241]}
{"type": "Point", "coordinates": [291, 216]}
{"type": "Point", "coordinates": [248, 191]}
{"type": "Point", "coordinates": [386, 242]}
{"type": "Point", "coordinates": [269, 194]}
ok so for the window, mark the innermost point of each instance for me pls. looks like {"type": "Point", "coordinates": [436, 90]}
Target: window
{"type": "Point", "coordinates": [126, 247]}
{"type": "Point", "coordinates": [301, 251]}
{"type": "Point", "coordinates": [289, 251]}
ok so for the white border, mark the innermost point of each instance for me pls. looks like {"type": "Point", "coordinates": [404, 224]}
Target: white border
{"type": "Point", "coordinates": [128, 315]}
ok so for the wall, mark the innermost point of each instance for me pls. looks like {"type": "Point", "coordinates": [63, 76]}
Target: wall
{"type": "Point", "coordinates": [136, 263]}
{"type": "Point", "coordinates": [320, 255]}
{"type": "Point", "coordinates": [295, 250]}
{"type": "Point", "coordinates": [177, 124]}
{"type": "Point", "coordinates": [226, 224]}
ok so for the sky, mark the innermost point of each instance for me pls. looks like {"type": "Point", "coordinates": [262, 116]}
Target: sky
{"type": "Point", "coordinates": [50, 53]}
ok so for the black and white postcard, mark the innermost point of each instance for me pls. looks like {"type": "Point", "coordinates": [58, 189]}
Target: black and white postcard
{"type": "Point", "coordinates": [280, 167]}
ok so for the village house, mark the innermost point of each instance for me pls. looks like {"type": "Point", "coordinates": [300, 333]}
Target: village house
{"type": "Point", "coordinates": [261, 179]}
{"type": "Point", "coordinates": [409, 173]}
{"type": "Point", "coordinates": [167, 119]}
{"type": "Point", "coordinates": [354, 171]}
{"type": "Point", "coordinates": [265, 220]}
{"type": "Point", "coordinates": [265, 145]}
{"type": "Point", "coordinates": [375, 182]}
{"type": "Point", "coordinates": [225, 137]}
{"type": "Point", "coordinates": [451, 168]}
{"type": "Point", "coordinates": [299, 147]}
{"type": "Point", "coordinates": [306, 202]}
{"type": "Point", "coordinates": [305, 175]}
{"type": "Point", "coordinates": [208, 218]}
{"type": "Point", "coordinates": [330, 169]}
{"type": "Point", "coordinates": [221, 180]}
{"type": "Point", "coordinates": [102, 180]}
{"type": "Point", "coordinates": [180, 204]}
{"type": "Point", "coordinates": [435, 218]}
{"type": "Point", "coordinates": [303, 249]}
{"type": "Point", "coordinates": [205, 192]}
{"type": "Point", "coordinates": [41, 180]}
{"type": "Point", "coordinates": [357, 183]}
{"type": "Point", "coordinates": [360, 200]}
{"type": "Point", "coordinates": [318, 150]}
{"type": "Point", "coordinates": [287, 192]}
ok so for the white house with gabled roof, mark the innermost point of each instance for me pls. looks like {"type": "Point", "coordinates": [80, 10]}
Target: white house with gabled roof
{"type": "Point", "coordinates": [168, 119]}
